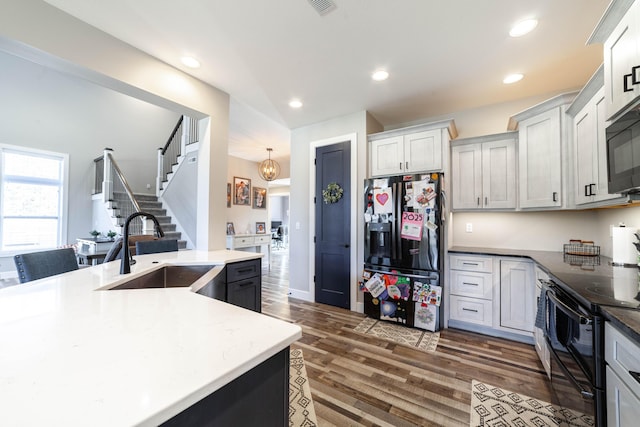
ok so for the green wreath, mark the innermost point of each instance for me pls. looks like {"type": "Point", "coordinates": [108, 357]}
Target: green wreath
{"type": "Point", "coordinates": [333, 193]}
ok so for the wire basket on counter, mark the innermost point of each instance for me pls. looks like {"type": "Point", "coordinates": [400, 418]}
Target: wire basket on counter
{"type": "Point", "coordinates": [587, 249]}
{"type": "Point", "coordinates": [582, 253]}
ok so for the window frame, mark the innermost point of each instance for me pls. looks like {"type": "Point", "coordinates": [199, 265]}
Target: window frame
{"type": "Point", "coordinates": [64, 191]}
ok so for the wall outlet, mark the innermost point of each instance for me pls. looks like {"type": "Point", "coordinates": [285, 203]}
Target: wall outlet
{"type": "Point", "coordinates": [469, 228]}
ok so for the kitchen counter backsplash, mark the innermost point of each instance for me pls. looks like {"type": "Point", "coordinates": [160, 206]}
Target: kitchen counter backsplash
{"type": "Point", "coordinates": [557, 266]}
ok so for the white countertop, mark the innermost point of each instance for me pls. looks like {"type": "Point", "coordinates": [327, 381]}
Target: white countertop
{"type": "Point", "coordinates": [71, 355]}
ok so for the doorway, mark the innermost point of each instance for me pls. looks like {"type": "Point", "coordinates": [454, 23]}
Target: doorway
{"type": "Point", "coordinates": [332, 237]}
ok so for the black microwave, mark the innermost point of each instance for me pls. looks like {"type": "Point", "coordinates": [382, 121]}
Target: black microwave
{"type": "Point", "coordinates": [623, 153]}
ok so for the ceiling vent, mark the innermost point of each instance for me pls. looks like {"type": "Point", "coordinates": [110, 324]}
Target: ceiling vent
{"type": "Point", "coordinates": [323, 6]}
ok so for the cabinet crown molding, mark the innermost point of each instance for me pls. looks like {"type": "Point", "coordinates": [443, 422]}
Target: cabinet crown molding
{"type": "Point", "coordinates": [449, 124]}
{"type": "Point", "coordinates": [556, 101]}
{"type": "Point", "coordinates": [595, 83]}
{"type": "Point", "coordinates": [486, 138]}
{"type": "Point", "coordinates": [614, 13]}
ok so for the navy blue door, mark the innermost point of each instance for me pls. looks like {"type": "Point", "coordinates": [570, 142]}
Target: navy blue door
{"type": "Point", "coordinates": [332, 230]}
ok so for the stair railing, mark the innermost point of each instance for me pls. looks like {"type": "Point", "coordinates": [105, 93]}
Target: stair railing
{"type": "Point", "coordinates": [115, 188]}
{"type": "Point", "coordinates": [184, 133]}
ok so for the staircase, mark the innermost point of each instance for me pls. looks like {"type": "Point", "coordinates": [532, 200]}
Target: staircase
{"type": "Point", "coordinates": [150, 204]}
{"type": "Point", "coordinates": [118, 197]}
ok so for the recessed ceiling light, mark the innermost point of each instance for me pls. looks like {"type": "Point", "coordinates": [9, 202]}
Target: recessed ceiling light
{"type": "Point", "coordinates": [512, 78]}
{"type": "Point", "coordinates": [380, 75]}
{"type": "Point", "coordinates": [295, 103]}
{"type": "Point", "coordinates": [190, 62]}
{"type": "Point", "coordinates": [523, 27]}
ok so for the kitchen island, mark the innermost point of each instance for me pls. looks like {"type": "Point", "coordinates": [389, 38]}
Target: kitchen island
{"type": "Point", "coordinates": [75, 353]}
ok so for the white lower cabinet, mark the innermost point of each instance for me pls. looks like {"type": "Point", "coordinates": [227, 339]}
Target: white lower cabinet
{"type": "Point", "coordinates": [473, 310]}
{"type": "Point", "coordinates": [492, 295]}
{"type": "Point", "coordinates": [622, 377]}
{"type": "Point", "coordinates": [471, 291]}
{"type": "Point", "coordinates": [517, 295]}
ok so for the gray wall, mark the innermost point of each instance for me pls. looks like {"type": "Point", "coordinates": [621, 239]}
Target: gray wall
{"type": "Point", "coordinates": [48, 110]}
{"type": "Point", "coordinates": [301, 169]}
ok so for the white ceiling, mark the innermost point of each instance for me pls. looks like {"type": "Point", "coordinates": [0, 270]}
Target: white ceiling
{"type": "Point", "coordinates": [442, 56]}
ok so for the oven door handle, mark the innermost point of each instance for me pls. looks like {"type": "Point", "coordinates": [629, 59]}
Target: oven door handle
{"type": "Point", "coordinates": [588, 394]}
{"type": "Point", "coordinates": [574, 315]}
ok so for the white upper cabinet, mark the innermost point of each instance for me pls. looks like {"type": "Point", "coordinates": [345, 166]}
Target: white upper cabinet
{"type": "Point", "coordinates": [483, 172]}
{"type": "Point", "coordinates": [622, 62]}
{"type": "Point", "coordinates": [387, 156]}
{"type": "Point", "coordinates": [619, 32]}
{"type": "Point", "coordinates": [589, 143]}
{"type": "Point", "coordinates": [414, 149]}
{"type": "Point", "coordinates": [542, 153]}
{"type": "Point", "coordinates": [423, 151]}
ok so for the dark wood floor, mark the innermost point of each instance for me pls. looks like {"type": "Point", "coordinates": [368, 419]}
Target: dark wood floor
{"type": "Point", "coordinates": [358, 380]}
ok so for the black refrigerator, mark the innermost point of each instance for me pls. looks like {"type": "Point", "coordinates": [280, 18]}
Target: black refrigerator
{"type": "Point", "coordinates": [403, 249]}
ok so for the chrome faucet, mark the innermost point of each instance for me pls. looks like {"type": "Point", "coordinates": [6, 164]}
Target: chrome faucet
{"type": "Point", "coordinates": [125, 264]}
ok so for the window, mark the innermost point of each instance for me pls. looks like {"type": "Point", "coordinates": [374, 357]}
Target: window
{"type": "Point", "coordinates": [32, 189]}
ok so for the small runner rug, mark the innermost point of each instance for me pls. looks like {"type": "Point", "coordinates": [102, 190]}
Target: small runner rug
{"type": "Point", "coordinates": [493, 406]}
{"type": "Point", "coordinates": [301, 411]}
{"type": "Point", "coordinates": [417, 338]}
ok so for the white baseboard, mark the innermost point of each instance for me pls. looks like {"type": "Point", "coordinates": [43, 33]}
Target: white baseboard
{"type": "Point", "coordinates": [360, 307]}
{"type": "Point", "coordinates": [303, 295]}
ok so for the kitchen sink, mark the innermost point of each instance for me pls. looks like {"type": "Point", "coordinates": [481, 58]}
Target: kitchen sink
{"type": "Point", "coordinates": [170, 276]}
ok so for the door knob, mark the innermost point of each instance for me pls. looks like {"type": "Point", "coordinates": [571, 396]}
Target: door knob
{"type": "Point", "coordinates": [346, 245]}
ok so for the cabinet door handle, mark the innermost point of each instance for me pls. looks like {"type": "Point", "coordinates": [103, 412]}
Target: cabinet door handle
{"type": "Point", "coordinates": [468, 309]}
{"type": "Point", "coordinates": [592, 191]}
{"type": "Point", "coordinates": [586, 191]}
{"type": "Point", "coordinates": [245, 270]}
{"type": "Point", "coordinates": [555, 196]}
{"type": "Point", "coordinates": [626, 80]}
{"type": "Point", "coordinates": [406, 165]}
{"type": "Point", "coordinates": [635, 375]}
{"type": "Point", "coordinates": [634, 75]}
{"type": "Point", "coordinates": [243, 284]}
{"type": "Point", "coordinates": [470, 263]}
{"type": "Point", "coordinates": [478, 202]}
{"type": "Point", "coordinates": [400, 165]}
{"type": "Point", "coordinates": [470, 284]}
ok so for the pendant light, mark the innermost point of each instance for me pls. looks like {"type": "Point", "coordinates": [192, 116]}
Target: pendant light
{"type": "Point", "coordinates": [269, 169]}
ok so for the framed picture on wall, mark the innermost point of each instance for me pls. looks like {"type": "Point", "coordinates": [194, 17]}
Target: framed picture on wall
{"type": "Point", "coordinates": [261, 228]}
{"type": "Point", "coordinates": [259, 198]}
{"type": "Point", "coordinates": [228, 194]}
{"type": "Point", "coordinates": [241, 191]}
{"type": "Point", "coordinates": [230, 229]}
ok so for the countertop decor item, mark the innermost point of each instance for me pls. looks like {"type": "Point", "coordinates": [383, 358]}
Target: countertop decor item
{"type": "Point", "coordinates": [269, 169]}
{"type": "Point", "coordinates": [332, 193]}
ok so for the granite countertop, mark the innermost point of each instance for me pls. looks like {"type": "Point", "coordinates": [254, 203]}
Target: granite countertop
{"type": "Point", "coordinates": [554, 264]}
{"type": "Point", "coordinates": [75, 355]}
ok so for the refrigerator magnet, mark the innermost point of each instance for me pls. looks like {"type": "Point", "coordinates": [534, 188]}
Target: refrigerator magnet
{"type": "Point", "coordinates": [383, 201]}
{"type": "Point", "coordinates": [411, 227]}
{"type": "Point", "coordinates": [375, 285]}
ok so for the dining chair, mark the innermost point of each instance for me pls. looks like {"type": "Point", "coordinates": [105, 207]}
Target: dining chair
{"type": "Point", "coordinates": [114, 251]}
{"type": "Point", "coordinates": [37, 265]}
{"type": "Point", "coordinates": [156, 246]}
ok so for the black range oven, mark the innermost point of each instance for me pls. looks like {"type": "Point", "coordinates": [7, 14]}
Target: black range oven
{"type": "Point", "coordinates": [575, 338]}
{"type": "Point", "coordinates": [574, 332]}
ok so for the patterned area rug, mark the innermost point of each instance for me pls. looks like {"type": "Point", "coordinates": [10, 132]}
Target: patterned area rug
{"type": "Point", "coordinates": [301, 411]}
{"type": "Point", "coordinates": [417, 338]}
{"type": "Point", "coordinates": [493, 406]}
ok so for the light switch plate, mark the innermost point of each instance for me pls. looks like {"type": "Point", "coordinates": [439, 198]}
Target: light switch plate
{"type": "Point", "coordinates": [469, 228]}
